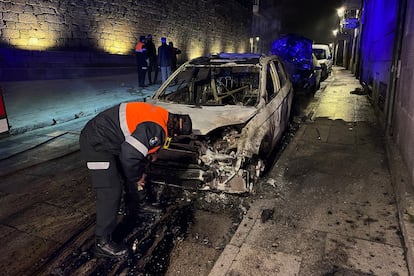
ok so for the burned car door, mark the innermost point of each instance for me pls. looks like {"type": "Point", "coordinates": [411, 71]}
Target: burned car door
{"type": "Point", "coordinates": [266, 128]}
{"type": "Point", "coordinates": [286, 93]}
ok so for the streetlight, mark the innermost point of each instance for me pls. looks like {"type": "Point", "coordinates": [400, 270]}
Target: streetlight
{"type": "Point", "coordinates": [335, 46]}
{"type": "Point", "coordinates": [257, 44]}
{"type": "Point", "coordinates": [340, 11]}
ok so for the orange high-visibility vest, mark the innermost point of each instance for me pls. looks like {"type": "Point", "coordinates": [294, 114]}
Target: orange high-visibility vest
{"type": "Point", "coordinates": [139, 47]}
{"type": "Point", "coordinates": [134, 113]}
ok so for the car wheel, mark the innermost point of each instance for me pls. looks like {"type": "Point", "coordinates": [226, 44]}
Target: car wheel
{"type": "Point", "coordinates": [265, 150]}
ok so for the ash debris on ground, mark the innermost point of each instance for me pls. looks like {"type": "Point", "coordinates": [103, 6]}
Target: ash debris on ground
{"type": "Point", "coordinates": [266, 214]}
{"type": "Point", "coordinates": [215, 219]}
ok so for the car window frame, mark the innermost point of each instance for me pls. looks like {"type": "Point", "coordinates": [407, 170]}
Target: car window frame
{"type": "Point", "coordinates": [275, 79]}
{"type": "Point", "coordinates": [282, 74]}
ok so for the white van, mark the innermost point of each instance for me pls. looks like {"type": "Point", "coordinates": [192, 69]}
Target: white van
{"type": "Point", "coordinates": [324, 56]}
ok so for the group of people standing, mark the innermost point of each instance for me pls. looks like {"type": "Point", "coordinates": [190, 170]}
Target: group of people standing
{"type": "Point", "coordinates": [149, 60]}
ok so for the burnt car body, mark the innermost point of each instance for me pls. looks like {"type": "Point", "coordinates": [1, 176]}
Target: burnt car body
{"type": "Point", "coordinates": [296, 53]}
{"type": "Point", "coordinates": [239, 105]}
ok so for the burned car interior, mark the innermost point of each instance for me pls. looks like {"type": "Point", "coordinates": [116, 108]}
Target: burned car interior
{"type": "Point", "coordinates": [215, 86]}
{"type": "Point", "coordinates": [235, 124]}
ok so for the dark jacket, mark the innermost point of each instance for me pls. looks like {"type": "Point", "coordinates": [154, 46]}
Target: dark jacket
{"type": "Point", "coordinates": [151, 51]}
{"type": "Point", "coordinates": [174, 52]}
{"type": "Point", "coordinates": [106, 132]}
{"type": "Point", "coordinates": [164, 55]}
{"type": "Point", "coordinates": [141, 54]}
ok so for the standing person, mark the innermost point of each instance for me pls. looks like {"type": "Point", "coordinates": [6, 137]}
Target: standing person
{"type": "Point", "coordinates": [152, 58]}
{"type": "Point", "coordinates": [174, 52]}
{"type": "Point", "coordinates": [164, 59]}
{"type": "Point", "coordinates": [116, 145]}
{"type": "Point", "coordinates": [141, 57]}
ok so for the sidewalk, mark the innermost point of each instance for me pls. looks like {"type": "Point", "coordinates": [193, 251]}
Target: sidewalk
{"type": "Point", "coordinates": [35, 104]}
{"type": "Point", "coordinates": [38, 111]}
{"type": "Point", "coordinates": [333, 209]}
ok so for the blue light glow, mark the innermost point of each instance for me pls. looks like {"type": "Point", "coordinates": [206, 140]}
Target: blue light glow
{"type": "Point", "coordinates": [296, 53]}
{"type": "Point", "coordinates": [379, 28]}
{"type": "Point", "coordinates": [294, 49]}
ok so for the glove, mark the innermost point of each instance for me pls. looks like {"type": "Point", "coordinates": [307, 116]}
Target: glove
{"type": "Point", "coordinates": [141, 182]}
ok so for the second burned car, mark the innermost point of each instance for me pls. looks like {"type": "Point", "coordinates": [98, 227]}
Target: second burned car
{"type": "Point", "coordinates": [239, 105]}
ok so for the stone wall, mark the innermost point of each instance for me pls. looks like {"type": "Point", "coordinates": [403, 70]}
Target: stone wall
{"type": "Point", "coordinates": [113, 27]}
{"type": "Point", "coordinates": [404, 102]}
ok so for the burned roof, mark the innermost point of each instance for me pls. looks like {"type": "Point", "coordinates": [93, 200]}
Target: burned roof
{"type": "Point", "coordinates": [227, 58]}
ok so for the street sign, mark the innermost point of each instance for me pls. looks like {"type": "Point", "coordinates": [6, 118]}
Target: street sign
{"type": "Point", "coordinates": [351, 23]}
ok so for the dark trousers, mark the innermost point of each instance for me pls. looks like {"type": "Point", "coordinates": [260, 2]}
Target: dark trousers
{"type": "Point", "coordinates": [153, 67]}
{"type": "Point", "coordinates": [107, 181]}
{"type": "Point", "coordinates": [141, 68]}
{"type": "Point", "coordinates": [141, 75]}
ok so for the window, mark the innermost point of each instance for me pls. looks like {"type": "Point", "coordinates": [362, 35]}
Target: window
{"type": "Point", "coordinates": [270, 86]}
{"type": "Point", "coordinates": [280, 73]}
{"type": "Point", "coordinates": [215, 85]}
{"type": "Point", "coordinates": [272, 80]}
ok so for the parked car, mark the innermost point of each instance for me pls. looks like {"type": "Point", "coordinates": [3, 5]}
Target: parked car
{"type": "Point", "coordinates": [239, 105]}
{"type": "Point", "coordinates": [296, 53]}
{"type": "Point", "coordinates": [317, 71]}
{"type": "Point", "coordinates": [324, 56]}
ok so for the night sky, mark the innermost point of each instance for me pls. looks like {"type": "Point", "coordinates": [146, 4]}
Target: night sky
{"type": "Point", "coordinates": [314, 19]}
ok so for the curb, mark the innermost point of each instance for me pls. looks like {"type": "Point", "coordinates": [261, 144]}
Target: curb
{"type": "Point", "coordinates": [64, 119]}
{"type": "Point", "coordinates": [404, 193]}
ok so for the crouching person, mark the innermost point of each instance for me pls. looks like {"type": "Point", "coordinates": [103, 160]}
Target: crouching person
{"type": "Point", "coordinates": [116, 145]}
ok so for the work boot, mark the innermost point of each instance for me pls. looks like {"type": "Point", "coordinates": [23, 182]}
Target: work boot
{"type": "Point", "coordinates": [138, 208]}
{"type": "Point", "coordinates": [145, 207]}
{"type": "Point", "coordinates": [138, 204]}
{"type": "Point", "coordinates": [104, 247]}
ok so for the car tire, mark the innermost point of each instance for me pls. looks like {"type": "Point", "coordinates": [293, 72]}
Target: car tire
{"type": "Point", "coordinates": [265, 148]}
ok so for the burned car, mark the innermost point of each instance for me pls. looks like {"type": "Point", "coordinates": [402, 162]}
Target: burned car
{"type": "Point", "coordinates": [239, 105]}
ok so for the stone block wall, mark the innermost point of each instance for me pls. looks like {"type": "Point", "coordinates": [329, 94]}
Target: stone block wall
{"type": "Point", "coordinates": [113, 27]}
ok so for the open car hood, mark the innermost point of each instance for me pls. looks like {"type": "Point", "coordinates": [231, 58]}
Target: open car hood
{"type": "Point", "coordinates": [208, 118]}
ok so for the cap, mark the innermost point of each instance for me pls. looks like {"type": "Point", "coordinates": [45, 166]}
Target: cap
{"type": "Point", "coordinates": [179, 124]}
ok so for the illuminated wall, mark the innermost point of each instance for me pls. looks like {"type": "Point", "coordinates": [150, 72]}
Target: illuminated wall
{"type": "Point", "coordinates": [379, 27]}
{"type": "Point", "coordinates": [196, 27]}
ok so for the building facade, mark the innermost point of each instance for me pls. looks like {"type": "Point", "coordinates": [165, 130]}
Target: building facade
{"type": "Point", "coordinates": [383, 62]}
{"type": "Point", "coordinates": [43, 34]}
{"type": "Point", "coordinates": [266, 25]}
